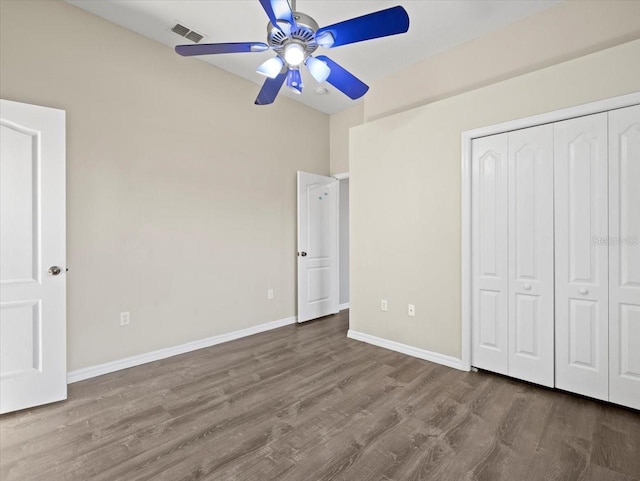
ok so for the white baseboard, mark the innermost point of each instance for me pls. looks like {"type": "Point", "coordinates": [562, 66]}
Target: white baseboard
{"type": "Point", "coordinates": [100, 369]}
{"type": "Point", "coordinates": [344, 306]}
{"type": "Point", "coordinates": [443, 359]}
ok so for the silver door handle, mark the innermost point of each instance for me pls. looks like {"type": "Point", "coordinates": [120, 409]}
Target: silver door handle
{"type": "Point", "coordinates": [527, 287]}
{"type": "Point", "coordinates": [54, 270]}
{"type": "Point", "coordinates": [583, 291]}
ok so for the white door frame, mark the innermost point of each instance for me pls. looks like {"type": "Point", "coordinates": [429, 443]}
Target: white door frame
{"type": "Point", "coordinates": [467, 137]}
{"type": "Point", "coordinates": [342, 307]}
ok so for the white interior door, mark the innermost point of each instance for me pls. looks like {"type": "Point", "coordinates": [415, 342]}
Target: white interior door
{"type": "Point", "coordinates": [32, 256]}
{"type": "Point", "coordinates": [318, 269]}
{"type": "Point", "coordinates": [581, 218]}
{"type": "Point", "coordinates": [530, 166]}
{"type": "Point", "coordinates": [624, 256]}
{"type": "Point", "coordinates": [489, 325]}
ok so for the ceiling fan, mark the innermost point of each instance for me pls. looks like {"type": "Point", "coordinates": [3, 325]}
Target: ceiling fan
{"type": "Point", "coordinates": [295, 36]}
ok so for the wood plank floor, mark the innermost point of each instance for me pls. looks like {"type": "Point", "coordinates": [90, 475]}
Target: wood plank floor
{"type": "Point", "coordinates": [305, 403]}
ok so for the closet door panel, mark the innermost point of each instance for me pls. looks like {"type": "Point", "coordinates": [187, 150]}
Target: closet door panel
{"type": "Point", "coordinates": [624, 256]}
{"type": "Point", "coordinates": [581, 267]}
{"type": "Point", "coordinates": [489, 260]}
{"type": "Point", "coordinates": [530, 231]}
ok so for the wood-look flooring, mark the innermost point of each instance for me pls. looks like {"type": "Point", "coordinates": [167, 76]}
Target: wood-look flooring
{"type": "Point", "coordinates": [305, 403]}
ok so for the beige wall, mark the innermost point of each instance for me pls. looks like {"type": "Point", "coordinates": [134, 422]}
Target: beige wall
{"type": "Point", "coordinates": [180, 195]}
{"type": "Point", "coordinates": [405, 193]}
{"type": "Point", "coordinates": [562, 32]}
{"type": "Point", "coordinates": [339, 133]}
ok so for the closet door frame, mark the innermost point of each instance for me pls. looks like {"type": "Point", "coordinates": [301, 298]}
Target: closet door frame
{"type": "Point", "coordinates": [466, 196]}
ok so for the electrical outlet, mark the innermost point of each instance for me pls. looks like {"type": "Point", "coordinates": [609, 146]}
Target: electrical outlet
{"type": "Point", "coordinates": [124, 319]}
{"type": "Point", "coordinates": [383, 305]}
{"type": "Point", "coordinates": [270, 294]}
{"type": "Point", "coordinates": [411, 310]}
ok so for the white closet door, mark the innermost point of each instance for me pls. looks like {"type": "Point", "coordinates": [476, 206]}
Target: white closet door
{"type": "Point", "coordinates": [624, 256]}
{"type": "Point", "coordinates": [530, 166]}
{"type": "Point", "coordinates": [580, 151]}
{"type": "Point", "coordinates": [489, 253]}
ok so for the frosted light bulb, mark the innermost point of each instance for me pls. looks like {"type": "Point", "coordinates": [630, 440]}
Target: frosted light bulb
{"type": "Point", "coordinates": [294, 54]}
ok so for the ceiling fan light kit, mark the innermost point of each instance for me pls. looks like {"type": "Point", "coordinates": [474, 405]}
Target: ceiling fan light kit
{"type": "Point", "coordinates": [294, 53]}
{"type": "Point", "coordinates": [271, 68]}
{"type": "Point", "coordinates": [295, 36]}
{"type": "Point", "coordinates": [318, 69]}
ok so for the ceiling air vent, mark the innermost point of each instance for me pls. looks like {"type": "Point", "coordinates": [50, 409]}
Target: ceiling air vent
{"type": "Point", "coordinates": [187, 33]}
{"type": "Point", "coordinates": [194, 36]}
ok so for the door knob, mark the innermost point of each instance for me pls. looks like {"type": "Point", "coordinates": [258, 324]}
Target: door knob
{"type": "Point", "coordinates": [527, 287]}
{"type": "Point", "coordinates": [54, 270]}
{"type": "Point", "coordinates": [303, 254]}
{"type": "Point", "coordinates": [583, 291]}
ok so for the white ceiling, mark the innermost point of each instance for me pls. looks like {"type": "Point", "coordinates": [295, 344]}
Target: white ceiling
{"type": "Point", "coordinates": [435, 26]}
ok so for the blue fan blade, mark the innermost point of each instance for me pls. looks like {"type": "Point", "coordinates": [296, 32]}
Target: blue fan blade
{"type": "Point", "coordinates": [270, 89]}
{"type": "Point", "coordinates": [278, 10]}
{"type": "Point", "coordinates": [391, 21]}
{"type": "Point", "coordinates": [343, 80]}
{"type": "Point", "coordinates": [213, 48]}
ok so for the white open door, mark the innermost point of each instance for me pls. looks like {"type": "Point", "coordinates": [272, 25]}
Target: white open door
{"type": "Point", "coordinates": [32, 256]}
{"type": "Point", "coordinates": [318, 273]}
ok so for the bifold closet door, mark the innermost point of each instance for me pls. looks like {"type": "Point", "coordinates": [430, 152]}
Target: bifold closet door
{"type": "Point", "coordinates": [530, 220]}
{"type": "Point", "coordinates": [489, 253]}
{"type": "Point", "coordinates": [624, 256]}
{"type": "Point", "coordinates": [581, 219]}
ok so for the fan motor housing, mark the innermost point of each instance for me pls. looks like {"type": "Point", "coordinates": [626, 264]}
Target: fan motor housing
{"type": "Point", "coordinates": [303, 33]}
